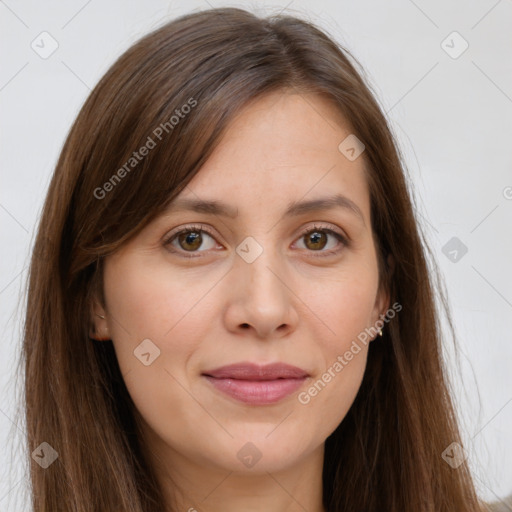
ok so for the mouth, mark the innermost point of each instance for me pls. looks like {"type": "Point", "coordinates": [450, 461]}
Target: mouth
{"type": "Point", "coordinates": [256, 384]}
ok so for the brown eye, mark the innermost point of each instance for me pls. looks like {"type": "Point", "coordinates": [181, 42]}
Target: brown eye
{"type": "Point", "coordinates": [315, 240]}
{"type": "Point", "coordinates": [190, 241]}
{"type": "Point", "coordinates": [322, 240]}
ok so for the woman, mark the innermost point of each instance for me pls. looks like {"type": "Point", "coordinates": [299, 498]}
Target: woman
{"type": "Point", "coordinates": [229, 301]}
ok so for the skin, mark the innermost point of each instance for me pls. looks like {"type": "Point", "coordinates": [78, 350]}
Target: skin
{"type": "Point", "coordinates": [218, 309]}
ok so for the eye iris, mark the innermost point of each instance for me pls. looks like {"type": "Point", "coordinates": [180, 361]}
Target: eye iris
{"type": "Point", "coordinates": [191, 237]}
{"type": "Point", "coordinates": [314, 237]}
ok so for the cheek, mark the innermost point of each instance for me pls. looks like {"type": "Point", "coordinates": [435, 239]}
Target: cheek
{"type": "Point", "coordinates": [345, 307]}
{"type": "Point", "coordinates": [148, 303]}
{"type": "Point", "coordinates": [146, 300]}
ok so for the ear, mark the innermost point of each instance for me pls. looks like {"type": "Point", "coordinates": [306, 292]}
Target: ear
{"type": "Point", "coordinates": [381, 304]}
{"type": "Point", "coordinates": [383, 299]}
{"type": "Point", "coordinates": [98, 325]}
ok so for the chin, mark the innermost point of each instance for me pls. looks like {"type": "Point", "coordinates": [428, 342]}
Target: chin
{"type": "Point", "coordinates": [264, 450]}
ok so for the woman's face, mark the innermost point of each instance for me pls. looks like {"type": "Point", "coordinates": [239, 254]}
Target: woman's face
{"type": "Point", "coordinates": [253, 287]}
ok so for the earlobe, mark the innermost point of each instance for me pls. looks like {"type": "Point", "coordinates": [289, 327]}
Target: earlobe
{"type": "Point", "coordinates": [382, 304]}
{"type": "Point", "coordinates": [98, 329]}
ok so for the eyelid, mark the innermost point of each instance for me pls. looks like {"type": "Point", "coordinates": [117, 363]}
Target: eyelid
{"type": "Point", "coordinates": [324, 226]}
{"type": "Point", "coordinates": [168, 238]}
{"type": "Point", "coordinates": [188, 227]}
{"type": "Point", "coordinates": [318, 226]}
{"type": "Point", "coordinates": [329, 228]}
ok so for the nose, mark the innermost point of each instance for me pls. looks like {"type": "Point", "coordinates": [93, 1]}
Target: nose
{"type": "Point", "coordinates": [261, 298]}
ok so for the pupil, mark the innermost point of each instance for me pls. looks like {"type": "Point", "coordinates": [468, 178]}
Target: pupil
{"type": "Point", "coordinates": [315, 237]}
{"type": "Point", "coordinates": [192, 239]}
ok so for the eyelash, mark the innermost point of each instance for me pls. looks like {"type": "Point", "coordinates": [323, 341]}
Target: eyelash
{"type": "Point", "coordinates": [201, 228]}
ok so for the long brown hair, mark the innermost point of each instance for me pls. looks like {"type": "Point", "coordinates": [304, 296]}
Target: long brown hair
{"type": "Point", "coordinates": [387, 452]}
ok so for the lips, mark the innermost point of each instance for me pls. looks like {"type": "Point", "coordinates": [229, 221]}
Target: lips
{"type": "Point", "coordinates": [251, 371]}
{"type": "Point", "coordinates": [257, 384]}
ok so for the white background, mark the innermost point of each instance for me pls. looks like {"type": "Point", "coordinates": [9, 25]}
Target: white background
{"type": "Point", "coordinates": [452, 118]}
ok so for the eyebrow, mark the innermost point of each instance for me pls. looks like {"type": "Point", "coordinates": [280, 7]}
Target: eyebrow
{"type": "Point", "coordinates": [295, 208]}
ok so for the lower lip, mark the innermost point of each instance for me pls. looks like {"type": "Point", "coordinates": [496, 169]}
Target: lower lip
{"type": "Point", "coordinates": [259, 392]}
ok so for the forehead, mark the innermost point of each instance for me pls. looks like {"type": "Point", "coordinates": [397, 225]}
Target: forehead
{"type": "Point", "coordinates": [281, 149]}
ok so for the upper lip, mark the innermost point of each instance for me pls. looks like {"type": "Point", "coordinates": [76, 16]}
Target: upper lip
{"type": "Point", "coordinates": [252, 371]}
